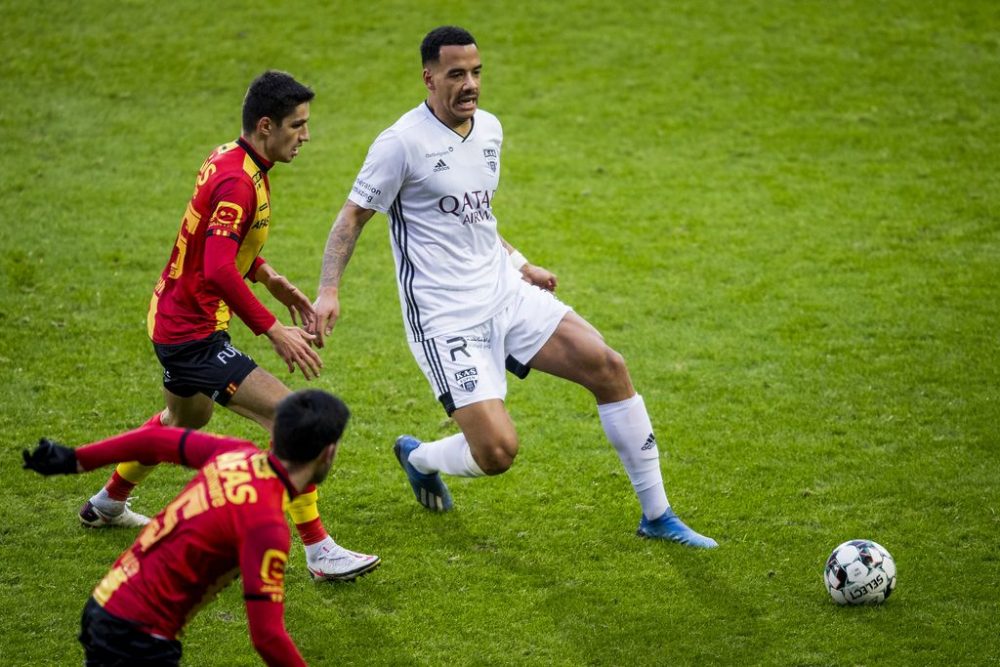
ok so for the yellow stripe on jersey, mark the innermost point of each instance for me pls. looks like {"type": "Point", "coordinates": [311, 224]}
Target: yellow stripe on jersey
{"type": "Point", "coordinates": [257, 229]}
{"type": "Point", "coordinates": [222, 316]}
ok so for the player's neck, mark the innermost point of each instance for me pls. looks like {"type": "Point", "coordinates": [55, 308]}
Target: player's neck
{"type": "Point", "coordinates": [298, 474]}
{"type": "Point", "coordinates": [459, 127]}
{"type": "Point", "coordinates": [256, 142]}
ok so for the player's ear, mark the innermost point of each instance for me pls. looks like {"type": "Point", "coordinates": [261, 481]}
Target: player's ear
{"type": "Point", "coordinates": [264, 126]}
{"type": "Point", "coordinates": [428, 79]}
{"type": "Point", "coordinates": [330, 453]}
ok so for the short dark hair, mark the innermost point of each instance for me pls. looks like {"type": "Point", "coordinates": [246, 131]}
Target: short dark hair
{"type": "Point", "coordinates": [273, 94]}
{"type": "Point", "coordinates": [446, 35]}
{"type": "Point", "coordinates": [306, 422]}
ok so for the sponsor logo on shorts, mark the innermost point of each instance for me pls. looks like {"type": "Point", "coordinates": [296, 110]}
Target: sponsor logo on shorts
{"type": "Point", "coordinates": [227, 353]}
{"type": "Point", "coordinates": [478, 342]}
{"type": "Point", "coordinates": [467, 379]}
{"type": "Point", "coordinates": [458, 345]}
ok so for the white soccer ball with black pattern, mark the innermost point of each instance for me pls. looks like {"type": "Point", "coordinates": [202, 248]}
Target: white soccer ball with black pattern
{"type": "Point", "coordinates": [860, 572]}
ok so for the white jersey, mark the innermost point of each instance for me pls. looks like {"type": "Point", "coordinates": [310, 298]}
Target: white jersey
{"type": "Point", "coordinates": [437, 189]}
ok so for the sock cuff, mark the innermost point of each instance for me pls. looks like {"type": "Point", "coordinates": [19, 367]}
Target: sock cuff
{"type": "Point", "coordinates": [312, 531]}
{"type": "Point", "coordinates": [606, 410]}
{"type": "Point", "coordinates": [471, 464]}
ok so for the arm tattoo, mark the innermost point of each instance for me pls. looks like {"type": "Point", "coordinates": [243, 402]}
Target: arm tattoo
{"type": "Point", "coordinates": [339, 248]}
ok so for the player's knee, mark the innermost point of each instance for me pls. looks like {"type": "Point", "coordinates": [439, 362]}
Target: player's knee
{"type": "Point", "coordinates": [193, 419]}
{"type": "Point", "coordinates": [611, 368]}
{"type": "Point", "coordinates": [497, 455]}
{"type": "Point", "coordinates": [614, 364]}
{"type": "Point", "coordinates": [609, 379]}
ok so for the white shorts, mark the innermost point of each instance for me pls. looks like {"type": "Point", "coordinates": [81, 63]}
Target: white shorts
{"type": "Point", "coordinates": [468, 366]}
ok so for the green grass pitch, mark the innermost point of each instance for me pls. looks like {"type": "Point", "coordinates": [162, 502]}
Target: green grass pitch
{"type": "Point", "coordinates": [786, 215]}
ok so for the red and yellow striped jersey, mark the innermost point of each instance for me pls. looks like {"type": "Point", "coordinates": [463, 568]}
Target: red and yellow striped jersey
{"type": "Point", "coordinates": [228, 520]}
{"type": "Point", "coordinates": [231, 201]}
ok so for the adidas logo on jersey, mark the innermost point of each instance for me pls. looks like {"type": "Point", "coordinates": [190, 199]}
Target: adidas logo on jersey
{"type": "Point", "coordinates": [441, 166]}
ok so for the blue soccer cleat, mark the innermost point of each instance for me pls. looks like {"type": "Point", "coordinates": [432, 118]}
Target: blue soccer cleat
{"type": "Point", "coordinates": [670, 527]}
{"type": "Point", "coordinates": [430, 491]}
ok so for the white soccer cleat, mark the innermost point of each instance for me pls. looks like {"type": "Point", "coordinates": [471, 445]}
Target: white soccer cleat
{"type": "Point", "coordinates": [92, 517]}
{"type": "Point", "coordinates": [332, 562]}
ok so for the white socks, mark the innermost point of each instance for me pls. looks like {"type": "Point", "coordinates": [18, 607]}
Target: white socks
{"type": "Point", "coordinates": [317, 549]}
{"type": "Point", "coordinates": [449, 455]}
{"type": "Point", "coordinates": [627, 425]}
{"type": "Point", "coordinates": [107, 505]}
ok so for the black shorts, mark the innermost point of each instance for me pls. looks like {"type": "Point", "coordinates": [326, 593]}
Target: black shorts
{"type": "Point", "coordinates": [211, 366]}
{"type": "Point", "coordinates": [109, 641]}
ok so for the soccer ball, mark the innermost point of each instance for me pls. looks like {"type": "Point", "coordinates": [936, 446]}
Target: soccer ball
{"type": "Point", "coordinates": [860, 572]}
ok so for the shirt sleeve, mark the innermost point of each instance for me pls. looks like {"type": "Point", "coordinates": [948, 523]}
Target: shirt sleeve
{"type": "Point", "coordinates": [382, 174]}
{"type": "Point", "coordinates": [263, 556]}
{"type": "Point", "coordinates": [258, 262]}
{"type": "Point", "coordinates": [150, 446]}
{"type": "Point", "coordinates": [225, 280]}
{"type": "Point", "coordinates": [233, 202]}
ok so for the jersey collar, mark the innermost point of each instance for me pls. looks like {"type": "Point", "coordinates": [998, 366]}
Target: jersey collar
{"type": "Point", "coordinates": [434, 116]}
{"type": "Point", "coordinates": [282, 474]}
{"type": "Point", "coordinates": [258, 160]}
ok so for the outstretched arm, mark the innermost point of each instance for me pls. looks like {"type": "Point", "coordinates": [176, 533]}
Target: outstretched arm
{"type": "Point", "coordinates": [339, 247]}
{"type": "Point", "coordinates": [148, 446]}
{"type": "Point", "coordinates": [536, 275]}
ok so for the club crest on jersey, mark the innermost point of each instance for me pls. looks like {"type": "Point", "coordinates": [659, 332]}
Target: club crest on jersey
{"type": "Point", "coordinates": [467, 378]}
{"type": "Point", "coordinates": [491, 158]}
{"type": "Point", "coordinates": [227, 214]}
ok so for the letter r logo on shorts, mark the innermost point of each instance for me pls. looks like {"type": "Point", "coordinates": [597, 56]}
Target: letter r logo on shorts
{"type": "Point", "coordinates": [462, 344]}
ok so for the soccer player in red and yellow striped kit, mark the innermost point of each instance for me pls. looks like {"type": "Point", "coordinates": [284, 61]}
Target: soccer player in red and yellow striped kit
{"type": "Point", "coordinates": [227, 521]}
{"type": "Point", "coordinates": [224, 227]}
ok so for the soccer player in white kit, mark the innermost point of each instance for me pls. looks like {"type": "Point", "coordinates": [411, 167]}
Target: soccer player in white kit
{"type": "Point", "coordinates": [473, 307]}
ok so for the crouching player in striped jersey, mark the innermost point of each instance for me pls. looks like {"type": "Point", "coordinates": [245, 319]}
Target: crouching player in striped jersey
{"type": "Point", "coordinates": [228, 521]}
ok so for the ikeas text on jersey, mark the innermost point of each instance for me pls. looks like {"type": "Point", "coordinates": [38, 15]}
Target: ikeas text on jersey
{"type": "Point", "coordinates": [472, 207]}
